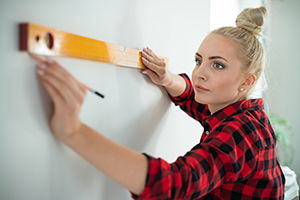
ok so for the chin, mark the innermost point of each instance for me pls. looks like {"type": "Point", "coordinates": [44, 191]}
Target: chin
{"type": "Point", "coordinates": [200, 100]}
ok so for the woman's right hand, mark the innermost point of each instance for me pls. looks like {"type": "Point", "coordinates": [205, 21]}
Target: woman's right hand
{"type": "Point", "coordinates": [156, 68]}
{"type": "Point", "coordinates": [67, 94]}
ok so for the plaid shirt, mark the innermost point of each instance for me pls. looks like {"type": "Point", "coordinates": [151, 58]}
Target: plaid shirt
{"type": "Point", "coordinates": [235, 158]}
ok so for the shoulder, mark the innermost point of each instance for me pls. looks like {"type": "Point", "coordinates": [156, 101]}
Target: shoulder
{"type": "Point", "coordinates": [236, 131]}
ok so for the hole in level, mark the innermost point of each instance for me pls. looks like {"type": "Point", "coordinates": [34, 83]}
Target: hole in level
{"type": "Point", "coordinates": [122, 48]}
{"type": "Point", "coordinates": [49, 40]}
{"type": "Point", "coordinates": [37, 38]}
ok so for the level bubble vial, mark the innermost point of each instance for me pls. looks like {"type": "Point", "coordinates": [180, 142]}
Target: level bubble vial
{"type": "Point", "coordinates": [49, 40]}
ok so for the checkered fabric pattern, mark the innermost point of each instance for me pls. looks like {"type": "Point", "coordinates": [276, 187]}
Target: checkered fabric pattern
{"type": "Point", "coordinates": [235, 158]}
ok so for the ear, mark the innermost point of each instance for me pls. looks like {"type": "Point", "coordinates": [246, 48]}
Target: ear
{"type": "Point", "coordinates": [249, 81]}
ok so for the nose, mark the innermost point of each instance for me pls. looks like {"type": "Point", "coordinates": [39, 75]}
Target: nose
{"type": "Point", "coordinates": [200, 72]}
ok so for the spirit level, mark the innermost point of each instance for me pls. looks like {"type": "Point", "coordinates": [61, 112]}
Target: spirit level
{"type": "Point", "coordinates": [42, 40]}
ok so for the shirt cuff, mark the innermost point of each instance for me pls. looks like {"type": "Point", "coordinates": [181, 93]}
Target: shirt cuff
{"type": "Point", "coordinates": [187, 92]}
{"type": "Point", "coordinates": [154, 165]}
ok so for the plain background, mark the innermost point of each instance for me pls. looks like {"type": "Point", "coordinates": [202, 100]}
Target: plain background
{"type": "Point", "coordinates": [134, 113]}
{"type": "Point", "coordinates": [283, 70]}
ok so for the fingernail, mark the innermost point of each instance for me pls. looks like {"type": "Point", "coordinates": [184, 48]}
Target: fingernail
{"type": "Point", "coordinates": [42, 66]}
{"type": "Point", "coordinates": [144, 72]}
{"type": "Point", "coordinates": [40, 72]}
{"type": "Point", "coordinates": [50, 60]}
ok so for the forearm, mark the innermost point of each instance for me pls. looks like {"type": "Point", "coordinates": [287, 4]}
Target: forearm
{"type": "Point", "coordinates": [126, 167]}
{"type": "Point", "coordinates": [176, 86]}
{"type": "Point", "coordinates": [122, 165]}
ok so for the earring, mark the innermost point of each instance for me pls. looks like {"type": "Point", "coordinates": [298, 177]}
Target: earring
{"type": "Point", "coordinates": [242, 89]}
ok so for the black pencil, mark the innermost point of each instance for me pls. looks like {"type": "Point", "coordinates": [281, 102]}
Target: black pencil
{"type": "Point", "coordinates": [97, 93]}
{"type": "Point", "coordinates": [94, 91]}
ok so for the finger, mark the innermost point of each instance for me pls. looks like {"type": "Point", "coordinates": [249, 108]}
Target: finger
{"type": "Point", "coordinates": [83, 86]}
{"type": "Point", "coordinates": [61, 94]}
{"type": "Point", "coordinates": [64, 78]}
{"type": "Point", "coordinates": [145, 54]}
{"type": "Point", "coordinates": [158, 70]}
{"type": "Point", "coordinates": [75, 86]}
{"type": "Point", "coordinates": [161, 62]}
{"type": "Point", "coordinates": [156, 64]}
{"type": "Point", "coordinates": [55, 96]}
{"type": "Point", "coordinates": [36, 58]}
{"type": "Point", "coordinates": [49, 60]}
{"type": "Point", "coordinates": [60, 73]}
{"type": "Point", "coordinates": [45, 59]}
{"type": "Point", "coordinates": [152, 75]}
{"type": "Point", "coordinates": [149, 54]}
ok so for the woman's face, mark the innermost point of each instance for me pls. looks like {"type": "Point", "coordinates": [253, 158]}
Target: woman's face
{"type": "Point", "coordinates": [217, 77]}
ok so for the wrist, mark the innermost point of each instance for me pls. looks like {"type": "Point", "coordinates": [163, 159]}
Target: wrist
{"type": "Point", "coordinates": [176, 86]}
{"type": "Point", "coordinates": [170, 80]}
{"type": "Point", "coordinates": [71, 137]}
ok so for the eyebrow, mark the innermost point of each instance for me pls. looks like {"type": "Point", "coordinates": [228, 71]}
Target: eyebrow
{"type": "Point", "coordinates": [212, 57]}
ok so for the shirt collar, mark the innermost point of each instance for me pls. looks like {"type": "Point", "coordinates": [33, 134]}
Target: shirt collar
{"type": "Point", "coordinates": [248, 104]}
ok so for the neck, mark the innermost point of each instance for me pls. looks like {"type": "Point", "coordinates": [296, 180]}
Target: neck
{"type": "Point", "coordinates": [216, 107]}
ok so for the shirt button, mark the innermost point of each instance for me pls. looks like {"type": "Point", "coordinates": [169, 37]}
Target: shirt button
{"type": "Point", "coordinates": [207, 132]}
{"type": "Point", "coordinates": [206, 121]}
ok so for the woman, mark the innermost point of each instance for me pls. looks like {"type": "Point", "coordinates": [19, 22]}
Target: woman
{"type": "Point", "coordinates": [235, 158]}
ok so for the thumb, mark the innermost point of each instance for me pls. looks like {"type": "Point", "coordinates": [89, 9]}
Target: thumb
{"type": "Point", "coordinates": [152, 75]}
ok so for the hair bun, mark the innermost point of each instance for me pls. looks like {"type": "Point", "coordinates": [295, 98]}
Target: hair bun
{"type": "Point", "coordinates": [252, 19]}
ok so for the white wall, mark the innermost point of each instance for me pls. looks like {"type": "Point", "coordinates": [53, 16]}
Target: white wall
{"type": "Point", "coordinates": [284, 67]}
{"type": "Point", "coordinates": [135, 112]}
{"type": "Point", "coordinates": [224, 12]}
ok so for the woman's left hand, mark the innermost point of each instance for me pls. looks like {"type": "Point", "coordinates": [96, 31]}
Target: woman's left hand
{"type": "Point", "coordinates": [67, 94]}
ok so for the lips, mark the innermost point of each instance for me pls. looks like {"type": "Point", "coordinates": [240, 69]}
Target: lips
{"type": "Point", "coordinates": [200, 88]}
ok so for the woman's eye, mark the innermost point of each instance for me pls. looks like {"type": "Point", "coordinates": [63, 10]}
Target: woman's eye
{"type": "Point", "coordinates": [218, 66]}
{"type": "Point", "coordinates": [198, 62]}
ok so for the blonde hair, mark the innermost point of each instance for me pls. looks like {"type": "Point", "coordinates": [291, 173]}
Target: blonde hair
{"type": "Point", "coordinates": [245, 37]}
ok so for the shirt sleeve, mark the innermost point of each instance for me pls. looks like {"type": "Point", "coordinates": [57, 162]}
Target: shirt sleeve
{"type": "Point", "coordinates": [186, 101]}
{"type": "Point", "coordinates": [217, 160]}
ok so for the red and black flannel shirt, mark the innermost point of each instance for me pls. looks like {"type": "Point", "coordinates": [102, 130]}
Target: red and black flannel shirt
{"type": "Point", "coordinates": [235, 158]}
